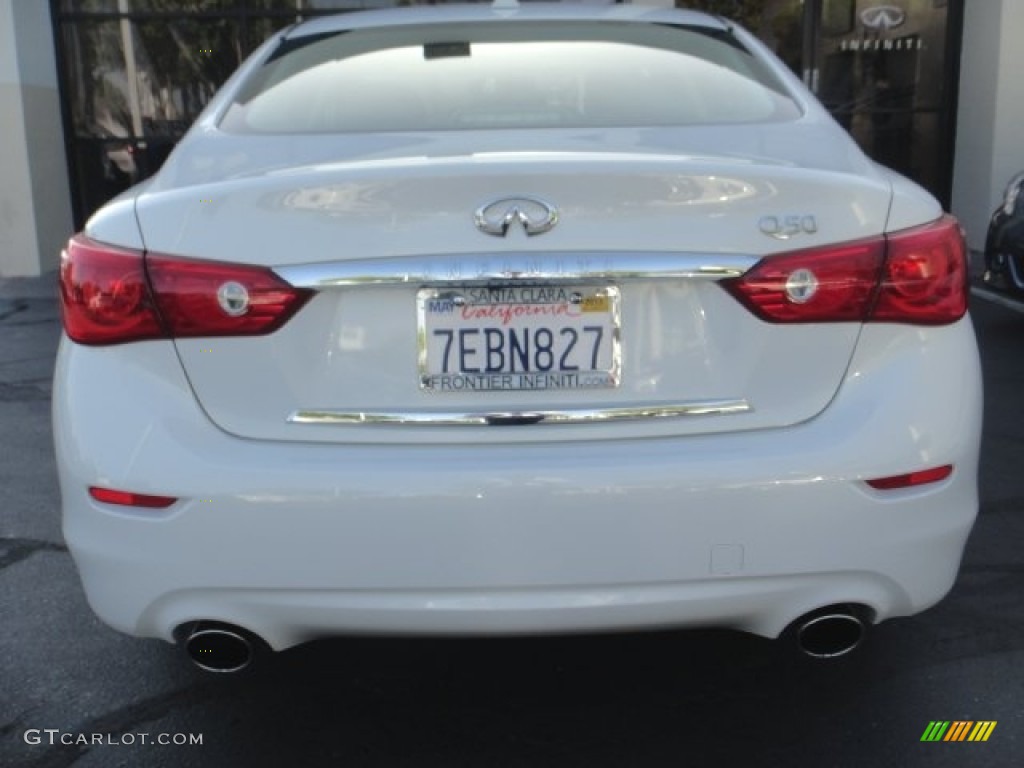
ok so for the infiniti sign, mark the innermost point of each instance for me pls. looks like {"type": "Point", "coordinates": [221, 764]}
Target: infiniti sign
{"type": "Point", "coordinates": [883, 17]}
{"type": "Point", "coordinates": [535, 216]}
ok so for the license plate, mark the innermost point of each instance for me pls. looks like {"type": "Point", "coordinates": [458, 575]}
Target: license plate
{"type": "Point", "coordinates": [520, 337]}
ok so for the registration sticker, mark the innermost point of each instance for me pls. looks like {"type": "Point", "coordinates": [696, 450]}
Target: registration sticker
{"type": "Point", "coordinates": [518, 337]}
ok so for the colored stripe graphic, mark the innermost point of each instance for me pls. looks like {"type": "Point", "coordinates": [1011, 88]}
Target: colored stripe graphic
{"type": "Point", "coordinates": [982, 730]}
{"type": "Point", "coordinates": [958, 730]}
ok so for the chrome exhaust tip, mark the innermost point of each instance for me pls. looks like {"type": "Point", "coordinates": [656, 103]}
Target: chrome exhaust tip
{"type": "Point", "coordinates": [219, 647]}
{"type": "Point", "coordinates": [830, 633]}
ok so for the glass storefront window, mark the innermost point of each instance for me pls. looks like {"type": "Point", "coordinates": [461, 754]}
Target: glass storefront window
{"type": "Point", "coordinates": [881, 68]}
{"type": "Point", "coordinates": [151, 77]}
{"type": "Point", "coordinates": [882, 74]}
{"type": "Point", "coordinates": [136, 74]}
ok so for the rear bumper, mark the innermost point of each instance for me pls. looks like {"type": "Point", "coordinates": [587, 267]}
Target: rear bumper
{"type": "Point", "coordinates": [744, 530]}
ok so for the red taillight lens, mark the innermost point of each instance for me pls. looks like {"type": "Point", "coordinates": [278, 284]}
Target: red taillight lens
{"type": "Point", "coordinates": [818, 285]}
{"type": "Point", "coordinates": [916, 276]}
{"type": "Point", "coordinates": [112, 295]}
{"type": "Point", "coordinates": [925, 278]}
{"type": "Point", "coordinates": [921, 477]}
{"type": "Point", "coordinates": [104, 296]}
{"type": "Point", "coordinates": [129, 499]}
{"type": "Point", "coordinates": [204, 298]}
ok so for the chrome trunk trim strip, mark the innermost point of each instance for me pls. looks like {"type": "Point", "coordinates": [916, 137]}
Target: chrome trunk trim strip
{"type": "Point", "coordinates": [519, 418]}
{"type": "Point", "coordinates": [468, 269]}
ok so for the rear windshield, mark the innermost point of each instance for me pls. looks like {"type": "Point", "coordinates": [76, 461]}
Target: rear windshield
{"type": "Point", "coordinates": [507, 74]}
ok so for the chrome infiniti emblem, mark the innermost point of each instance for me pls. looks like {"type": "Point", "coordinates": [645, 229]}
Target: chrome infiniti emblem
{"type": "Point", "coordinates": [883, 17]}
{"type": "Point", "coordinates": [535, 216]}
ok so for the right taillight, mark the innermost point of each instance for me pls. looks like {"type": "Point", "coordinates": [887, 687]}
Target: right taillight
{"type": "Point", "coordinates": [113, 295]}
{"type": "Point", "coordinates": [916, 276]}
{"type": "Point", "coordinates": [925, 277]}
{"type": "Point", "coordinates": [833, 284]}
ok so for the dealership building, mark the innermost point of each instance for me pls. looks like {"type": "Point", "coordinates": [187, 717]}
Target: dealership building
{"type": "Point", "coordinates": [95, 93]}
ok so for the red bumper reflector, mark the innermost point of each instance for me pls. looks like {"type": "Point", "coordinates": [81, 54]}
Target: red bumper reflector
{"type": "Point", "coordinates": [129, 499]}
{"type": "Point", "coordinates": [921, 477]}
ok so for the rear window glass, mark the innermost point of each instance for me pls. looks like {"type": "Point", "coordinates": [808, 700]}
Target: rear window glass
{"type": "Point", "coordinates": [502, 75]}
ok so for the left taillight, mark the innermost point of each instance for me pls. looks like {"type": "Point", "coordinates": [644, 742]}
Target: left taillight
{"type": "Point", "coordinates": [113, 295]}
{"type": "Point", "coordinates": [209, 298]}
{"type": "Point", "coordinates": [104, 295]}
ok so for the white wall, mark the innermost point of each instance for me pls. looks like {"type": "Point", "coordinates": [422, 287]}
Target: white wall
{"type": "Point", "coordinates": [35, 202]}
{"type": "Point", "coordinates": [990, 118]}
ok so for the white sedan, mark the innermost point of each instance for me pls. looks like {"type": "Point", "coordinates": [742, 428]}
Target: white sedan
{"type": "Point", "coordinates": [498, 320]}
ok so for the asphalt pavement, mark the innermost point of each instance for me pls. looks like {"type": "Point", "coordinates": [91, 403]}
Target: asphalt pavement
{"type": "Point", "coordinates": [74, 692]}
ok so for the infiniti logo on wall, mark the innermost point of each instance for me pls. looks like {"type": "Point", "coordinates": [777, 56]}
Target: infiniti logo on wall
{"type": "Point", "coordinates": [883, 17]}
{"type": "Point", "coordinates": [535, 216]}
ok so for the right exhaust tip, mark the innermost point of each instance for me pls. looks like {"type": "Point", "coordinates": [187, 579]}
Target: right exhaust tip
{"type": "Point", "coordinates": [219, 648]}
{"type": "Point", "coordinates": [829, 634]}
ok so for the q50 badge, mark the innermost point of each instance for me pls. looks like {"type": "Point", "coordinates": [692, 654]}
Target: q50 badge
{"type": "Point", "coordinates": [787, 226]}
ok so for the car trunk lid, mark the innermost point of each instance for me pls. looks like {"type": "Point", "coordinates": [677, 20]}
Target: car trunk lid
{"type": "Point", "coordinates": [643, 236]}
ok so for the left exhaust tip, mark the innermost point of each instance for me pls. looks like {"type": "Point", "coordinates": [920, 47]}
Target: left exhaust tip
{"type": "Point", "coordinates": [219, 647]}
{"type": "Point", "coordinates": [830, 633]}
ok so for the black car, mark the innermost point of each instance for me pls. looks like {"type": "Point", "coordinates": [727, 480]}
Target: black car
{"type": "Point", "coordinates": [1004, 245]}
